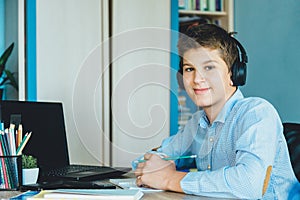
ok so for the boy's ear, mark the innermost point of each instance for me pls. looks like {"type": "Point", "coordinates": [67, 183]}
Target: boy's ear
{"type": "Point", "coordinates": [230, 75]}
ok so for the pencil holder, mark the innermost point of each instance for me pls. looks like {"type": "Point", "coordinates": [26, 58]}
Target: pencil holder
{"type": "Point", "coordinates": [11, 172]}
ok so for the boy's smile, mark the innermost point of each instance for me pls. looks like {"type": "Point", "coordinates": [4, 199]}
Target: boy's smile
{"type": "Point", "coordinates": [201, 91]}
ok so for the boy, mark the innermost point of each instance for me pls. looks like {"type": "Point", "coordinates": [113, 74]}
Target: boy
{"type": "Point", "coordinates": [239, 143]}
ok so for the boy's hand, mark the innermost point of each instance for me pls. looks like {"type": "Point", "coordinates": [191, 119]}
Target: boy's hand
{"type": "Point", "coordinates": [158, 173]}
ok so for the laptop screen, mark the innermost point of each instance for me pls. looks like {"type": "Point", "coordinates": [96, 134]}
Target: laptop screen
{"type": "Point", "coordinates": [46, 122]}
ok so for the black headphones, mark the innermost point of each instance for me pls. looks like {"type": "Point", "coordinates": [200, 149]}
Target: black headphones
{"type": "Point", "coordinates": [238, 69]}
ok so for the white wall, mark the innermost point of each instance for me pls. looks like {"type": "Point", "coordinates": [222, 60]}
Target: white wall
{"type": "Point", "coordinates": [73, 68]}
{"type": "Point", "coordinates": [141, 71]}
{"type": "Point", "coordinates": [69, 69]}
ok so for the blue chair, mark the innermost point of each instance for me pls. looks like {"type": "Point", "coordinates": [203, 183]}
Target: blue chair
{"type": "Point", "coordinates": [292, 135]}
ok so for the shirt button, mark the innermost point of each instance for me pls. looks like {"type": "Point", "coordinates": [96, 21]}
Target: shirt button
{"type": "Point", "coordinates": [211, 139]}
{"type": "Point", "coordinates": [208, 167]}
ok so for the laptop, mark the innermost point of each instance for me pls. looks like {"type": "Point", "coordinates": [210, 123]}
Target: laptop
{"type": "Point", "coordinates": [48, 143]}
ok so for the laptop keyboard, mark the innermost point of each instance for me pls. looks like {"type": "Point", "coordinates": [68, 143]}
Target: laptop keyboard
{"type": "Point", "coordinates": [76, 168]}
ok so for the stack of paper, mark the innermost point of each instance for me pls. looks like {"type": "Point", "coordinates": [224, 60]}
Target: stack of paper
{"type": "Point", "coordinates": [76, 194]}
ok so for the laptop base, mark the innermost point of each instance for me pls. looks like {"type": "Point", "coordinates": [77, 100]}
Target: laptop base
{"type": "Point", "coordinates": [68, 185]}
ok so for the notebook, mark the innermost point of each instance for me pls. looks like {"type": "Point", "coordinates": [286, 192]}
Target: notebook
{"type": "Point", "coordinates": [88, 194]}
{"type": "Point", "coordinates": [48, 142]}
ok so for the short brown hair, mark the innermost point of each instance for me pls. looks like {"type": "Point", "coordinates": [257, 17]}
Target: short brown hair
{"type": "Point", "coordinates": [209, 36]}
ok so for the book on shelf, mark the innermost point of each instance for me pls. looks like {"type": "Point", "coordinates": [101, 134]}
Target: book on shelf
{"type": "Point", "coordinates": [211, 5]}
{"type": "Point", "coordinates": [220, 5]}
{"type": "Point", "coordinates": [76, 194]}
{"type": "Point", "coordinates": [201, 5]}
{"type": "Point", "coordinates": [204, 5]}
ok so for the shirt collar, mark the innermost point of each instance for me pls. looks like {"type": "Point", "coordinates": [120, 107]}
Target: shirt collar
{"type": "Point", "coordinates": [203, 121]}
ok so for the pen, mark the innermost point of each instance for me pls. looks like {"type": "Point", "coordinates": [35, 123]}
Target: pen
{"type": "Point", "coordinates": [169, 158]}
{"type": "Point", "coordinates": [23, 143]}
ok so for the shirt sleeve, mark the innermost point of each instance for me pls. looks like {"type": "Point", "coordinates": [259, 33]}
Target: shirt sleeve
{"type": "Point", "coordinates": [255, 150]}
{"type": "Point", "coordinates": [180, 145]}
{"type": "Point", "coordinates": [170, 147]}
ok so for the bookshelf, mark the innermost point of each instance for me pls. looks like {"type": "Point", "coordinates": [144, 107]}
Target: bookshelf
{"type": "Point", "coordinates": [190, 12]}
{"type": "Point", "coordinates": [219, 12]}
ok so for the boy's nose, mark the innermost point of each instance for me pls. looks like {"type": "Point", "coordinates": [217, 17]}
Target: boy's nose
{"type": "Point", "coordinates": [199, 77]}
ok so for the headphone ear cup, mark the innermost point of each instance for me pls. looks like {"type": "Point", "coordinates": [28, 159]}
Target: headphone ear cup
{"type": "Point", "coordinates": [239, 67]}
{"type": "Point", "coordinates": [238, 73]}
{"type": "Point", "coordinates": [179, 75]}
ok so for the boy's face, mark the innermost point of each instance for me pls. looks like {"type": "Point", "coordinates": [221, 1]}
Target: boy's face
{"type": "Point", "coordinates": [206, 78]}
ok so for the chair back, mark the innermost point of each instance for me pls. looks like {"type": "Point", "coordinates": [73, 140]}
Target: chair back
{"type": "Point", "coordinates": [292, 135]}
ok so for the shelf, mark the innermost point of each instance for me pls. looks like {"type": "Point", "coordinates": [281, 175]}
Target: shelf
{"type": "Point", "coordinates": [207, 13]}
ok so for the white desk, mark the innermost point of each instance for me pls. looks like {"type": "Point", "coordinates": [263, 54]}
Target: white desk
{"type": "Point", "coordinates": [147, 196]}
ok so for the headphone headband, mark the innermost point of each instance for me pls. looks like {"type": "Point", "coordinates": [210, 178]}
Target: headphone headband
{"type": "Point", "coordinates": [244, 57]}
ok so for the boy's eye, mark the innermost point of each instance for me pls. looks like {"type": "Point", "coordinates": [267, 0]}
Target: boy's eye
{"type": "Point", "coordinates": [207, 68]}
{"type": "Point", "coordinates": [188, 69]}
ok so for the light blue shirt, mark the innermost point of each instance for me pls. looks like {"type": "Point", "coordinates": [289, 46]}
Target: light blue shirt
{"type": "Point", "coordinates": [234, 152]}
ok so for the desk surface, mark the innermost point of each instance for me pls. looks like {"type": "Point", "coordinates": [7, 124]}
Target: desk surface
{"type": "Point", "coordinates": [165, 195]}
{"type": "Point", "coordinates": [147, 196]}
